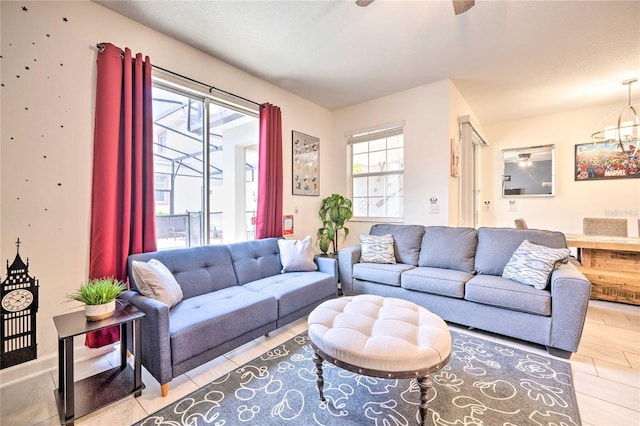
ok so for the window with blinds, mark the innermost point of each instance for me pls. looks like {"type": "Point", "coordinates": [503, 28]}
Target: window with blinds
{"type": "Point", "coordinates": [377, 171]}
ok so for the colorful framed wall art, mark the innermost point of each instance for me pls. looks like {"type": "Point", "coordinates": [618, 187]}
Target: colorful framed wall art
{"type": "Point", "coordinates": [606, 160]}
{"type": "Point", "coordinates": [305, 170]}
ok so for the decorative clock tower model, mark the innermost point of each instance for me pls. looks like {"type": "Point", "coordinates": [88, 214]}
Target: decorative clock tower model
{"type": "Point", "coordinates": [18, 308]}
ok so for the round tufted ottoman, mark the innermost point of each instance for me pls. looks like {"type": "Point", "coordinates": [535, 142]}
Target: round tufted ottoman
{"type": "Point", "coordinates": [380, 337]}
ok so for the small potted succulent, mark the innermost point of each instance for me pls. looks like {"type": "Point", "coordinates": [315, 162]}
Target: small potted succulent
{"type": "Point", "coordinates": [99, 296]}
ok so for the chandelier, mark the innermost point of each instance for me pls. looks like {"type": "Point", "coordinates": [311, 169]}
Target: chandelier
{"type": "Point", "coordinates": [621, 126]}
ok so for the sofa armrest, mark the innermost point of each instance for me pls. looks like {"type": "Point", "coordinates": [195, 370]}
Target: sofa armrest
{"type": "Point", "coordinates": [570, 293]}
{"type": "Point", "coordinates": [328, 265]}
{"type": "Point", "coordinates": [347, 257]}
{"type": "Point", "coordinates": [156, 348]}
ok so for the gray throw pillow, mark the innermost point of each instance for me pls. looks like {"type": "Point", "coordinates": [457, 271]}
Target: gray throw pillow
{"type": "Point", "coordinates": [155, 280]}
{"type": "Point", "coordinates": [406, 240]}
{"type": "Point", "coordinates": [377, 249]}
{"type": "Point", "coordinates": [496, 245]}
{"type": "Point", "coordinates": [449, 247]}
{"type": "Point", "coordinates": [531, 264]}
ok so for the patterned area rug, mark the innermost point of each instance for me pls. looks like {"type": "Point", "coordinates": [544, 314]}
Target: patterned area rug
{"type": "Point", "coordinates": [485, 383]}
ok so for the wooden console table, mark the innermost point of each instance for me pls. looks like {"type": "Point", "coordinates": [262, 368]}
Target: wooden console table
{"type": "Point", "coordinates": [612, 264]}
{"type": "Point", "coordinates": [77, 399]}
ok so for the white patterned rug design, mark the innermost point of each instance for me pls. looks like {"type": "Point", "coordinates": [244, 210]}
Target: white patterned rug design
{"type": "Point", "coordinates": [485, 383]}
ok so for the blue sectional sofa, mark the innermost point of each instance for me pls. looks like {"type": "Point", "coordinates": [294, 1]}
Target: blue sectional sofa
{"type": "Point", "coordinates": [231, 294]}
{"type": "Point", "coordinates": [456, 273]}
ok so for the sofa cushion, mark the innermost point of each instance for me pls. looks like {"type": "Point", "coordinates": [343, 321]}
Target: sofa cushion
{"type": "Point", "coordinates": [445, 282]}
{"type": "Point", "coordinates": [388, 274]}
{"type": "Point", "coordinates": [532, 264]}
{"type": "Point", "coordinates": [377, 249]}
{"type": "Point", "coordinates": [505, 293]}
{"type": "Point", "coordinates": [406, 240]}
{"type": "Point", "coordinates": [296, 290]}
{"type": "Point", "coordinates": [155, 280]}
{"type": "Point", "coordinates": [206, 321]}
{"type": "Point", "coordinates": [449, 247]}
{"type": "Point", "coordinates": [198, 270]}
{"type": "Point", "coordinates": [253, 260]}
{"type": "Point", "coordinates": [496, 245]}
{"type": "Point", "coordinates": [297, 255]}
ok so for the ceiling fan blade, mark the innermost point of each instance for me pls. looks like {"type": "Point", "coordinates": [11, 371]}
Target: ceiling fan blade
{"type": "Point", "coordinates": [461, 6]}
{"type": "Point", "coordinates": [364, 3]}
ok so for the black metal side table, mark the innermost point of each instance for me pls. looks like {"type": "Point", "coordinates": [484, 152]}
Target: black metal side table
{"type": "Point", "coordinates": [77, 399]}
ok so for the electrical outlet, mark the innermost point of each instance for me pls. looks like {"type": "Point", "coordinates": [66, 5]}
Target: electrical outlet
{"type": "Point", "coordinates": [513, 207]}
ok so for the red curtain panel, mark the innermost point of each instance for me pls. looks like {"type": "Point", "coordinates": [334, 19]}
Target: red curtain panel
{"type": "Point", "coordinates": [269, 214]}
{"type": "Point", "coordinates": [122, 204]}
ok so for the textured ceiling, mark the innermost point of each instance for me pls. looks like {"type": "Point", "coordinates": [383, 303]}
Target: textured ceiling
{"type": "Point", "coordinates": [509, 59]}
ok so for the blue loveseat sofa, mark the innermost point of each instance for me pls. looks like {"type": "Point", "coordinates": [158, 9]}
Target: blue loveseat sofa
{"type": "Point", "coordinates": [232, 294]}
{"type": "Point", "coordinates": [457, 273]}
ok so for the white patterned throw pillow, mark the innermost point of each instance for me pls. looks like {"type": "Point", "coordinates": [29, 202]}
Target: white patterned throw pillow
{"type": "Point", "coordinates": [531, 264]}
{"type": "Point", "coordinates": [297, 256]}
{"type": "Point", "coordinates": [377, 249]}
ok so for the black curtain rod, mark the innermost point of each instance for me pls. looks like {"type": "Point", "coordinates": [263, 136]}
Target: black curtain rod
{"type": "Point", "coordinates": [211, 88]}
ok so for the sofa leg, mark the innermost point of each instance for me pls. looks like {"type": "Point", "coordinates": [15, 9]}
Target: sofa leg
{"type": "Point", "coordinates": [164, 389]}
{"type": "Point", "coordinates": [560, 353]}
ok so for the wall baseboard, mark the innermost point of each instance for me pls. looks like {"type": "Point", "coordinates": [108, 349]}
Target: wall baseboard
{"type": "Point", "coordinates": [49, 363]}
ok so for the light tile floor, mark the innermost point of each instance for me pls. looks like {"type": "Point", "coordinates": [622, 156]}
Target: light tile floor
{"type": "Point", "coordinates": [606, 371]}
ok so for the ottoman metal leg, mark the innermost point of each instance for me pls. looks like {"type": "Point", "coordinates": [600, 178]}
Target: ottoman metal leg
{"type": "Point", "coordinates": [424, 383]}
{"type": "Point", "coordinates": [318, 360]}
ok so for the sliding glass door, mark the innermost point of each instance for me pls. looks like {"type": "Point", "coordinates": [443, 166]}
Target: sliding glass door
{"type": "Point", "coordinates": [205, 165]}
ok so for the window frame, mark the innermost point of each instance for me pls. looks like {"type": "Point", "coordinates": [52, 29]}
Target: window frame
{"type": "Point", "coordinates": [370, 135]}
{"type": "Point", "coordinates": [165, 190]}
{"type": "Point", "coordinates": [195, 93]}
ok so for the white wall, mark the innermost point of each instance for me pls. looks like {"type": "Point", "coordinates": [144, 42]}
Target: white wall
{"type": "Point", "coordinates": [458, 107]}
{"type": "Point", "coordinates": [430, 113]}
{"type": "Point", "coordinates": [47, 139]}
{"type": "Point", "coordinates": [618, 198]}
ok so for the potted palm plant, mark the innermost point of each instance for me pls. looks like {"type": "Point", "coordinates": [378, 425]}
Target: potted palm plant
{"type": "Point", "coordinates": [99, 296]}
{"type": "Point", "coordinates": [334, 211]}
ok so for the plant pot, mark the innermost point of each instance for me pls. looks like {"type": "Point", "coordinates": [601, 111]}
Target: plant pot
{"type": "Point", "coordinates": [99, 312]}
